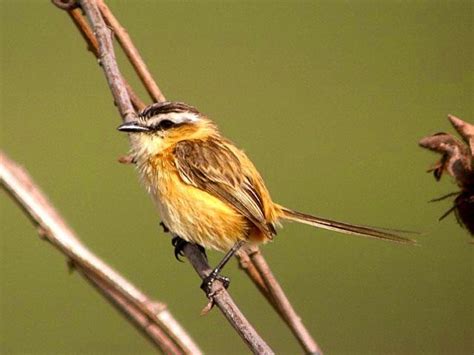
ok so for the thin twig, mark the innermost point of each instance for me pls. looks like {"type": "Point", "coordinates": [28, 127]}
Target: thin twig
{"type": "Point", "coordinates": [276, 297]}
{"type": "Point", "coordinates": [285, 309]}
{"type": "Point", "coordinates": [141, 321]}
{"type": "Point", "coordinates": [222, 299]}
{"type": "Point", "coordinates": [130, 300]}
{"type": "Point", "coordinates": [246, 264]}
{"type": "Point", "coordinates": [132, 53]}
{"type": "Point", "coordinates": [108, 61]}
{"type": "Point", "coordinates": [93, 46]}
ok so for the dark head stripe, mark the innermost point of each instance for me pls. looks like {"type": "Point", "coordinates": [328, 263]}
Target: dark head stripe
{"type": "Point", "coordinates": [166, 107]}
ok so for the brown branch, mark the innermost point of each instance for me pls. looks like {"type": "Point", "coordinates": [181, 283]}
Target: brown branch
{"type": "Point", "coordinates": [151, 317]}
{"type": "Point", "coordinates": [283, 305]}
{"type": "Point", "coordinates": [246, 264]}
{"type": "Point", "coordinates": [222, 299]}
{"type": "Point", "coordinates": [75, 13]}
{"type": "Point", "coordinates": [108, 61]}
{"type": "Point", "coordinates": [86, 32]}
{"type": "Point", "coordinates": [258, 270]}
{"type": "Point", "coordinates": [132, 53]}
{"type": "Point", "coordinates": [138, 319]}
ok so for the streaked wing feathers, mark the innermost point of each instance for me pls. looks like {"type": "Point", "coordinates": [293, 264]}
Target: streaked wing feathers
{"type": "Point", "coordinates": [211, 166]}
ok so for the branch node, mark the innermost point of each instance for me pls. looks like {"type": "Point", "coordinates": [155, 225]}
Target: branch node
{"type": "Point", "coordinates": [157, 307]}
{"type": "Point", "coordinates": [42, 232]}
{"type": "Point", "coordinates": [71, 266]}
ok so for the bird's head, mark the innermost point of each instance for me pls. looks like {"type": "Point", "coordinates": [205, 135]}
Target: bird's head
{"type": "Point", "coordinates": [162, 125]}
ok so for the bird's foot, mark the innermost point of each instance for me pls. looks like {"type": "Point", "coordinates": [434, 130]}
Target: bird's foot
{"type": "Point", "coordinates": [209, 280]}
{"type": "Point", "coordinates": [179, 244]}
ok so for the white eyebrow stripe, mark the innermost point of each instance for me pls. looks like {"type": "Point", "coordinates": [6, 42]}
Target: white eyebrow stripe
{"type": "Point", "coordinates": [175, 117]}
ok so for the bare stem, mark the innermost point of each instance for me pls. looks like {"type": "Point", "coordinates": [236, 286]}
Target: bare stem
{"type": "Point", "coordinates": [126, 297]}
{"type": "Point", "coordinates": [93, 46]}
{"type": "Point", "coordinates": [140, 320]}
{"type": "Point", "coordinates": [132, 53]}
{"type": "Point", "coordinates": [246, 264]}
{"type": "Point", "coordinates": [108, 60]}
{"type": "Point", "coordinates": [283, 305]}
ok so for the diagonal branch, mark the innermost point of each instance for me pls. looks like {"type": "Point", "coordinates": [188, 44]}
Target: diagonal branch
{"type": "Point", "coordinates": [132, 53]}
{"type": "Point", "coordinates": [151, 317]}
{"type": "Point", "coordinates": [108, 61]}
{"type": "Point", "coordinates": [86, 32]}
{"type": "Point", "coordinates": [283, 305]}
{"type": "Point", "coordinates": [258, 270]}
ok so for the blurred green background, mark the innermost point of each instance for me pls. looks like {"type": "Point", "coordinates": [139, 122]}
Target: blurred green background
{"type": "Point", "coordinates": [328, 98]}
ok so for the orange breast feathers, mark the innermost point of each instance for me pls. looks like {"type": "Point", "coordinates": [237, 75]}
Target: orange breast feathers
{"type": "Point", "coordinates": [210, 194]}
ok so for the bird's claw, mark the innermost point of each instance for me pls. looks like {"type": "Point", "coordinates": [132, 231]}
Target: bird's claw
{"type": "Point", "coordinates": [165, 228]}
{"type": "Point", "coordinates": [179, 244]}
{"type": "Point", "coordinates": [209, 280]}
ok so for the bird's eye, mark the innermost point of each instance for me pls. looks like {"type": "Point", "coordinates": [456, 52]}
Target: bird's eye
{"type": "Point", "coordinates": [166, 124]}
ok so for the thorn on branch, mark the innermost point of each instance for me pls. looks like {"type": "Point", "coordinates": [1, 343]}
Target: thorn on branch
{"type": "Point", "coordinates": [71, 266]}
{"type": "Point", "coordinates": [457, 160]}
{"type": "Point", "coordinates": [211, 297]}
{"type": "Point", "coordinates": [42, 232]}
{"type": "Point", "coordinates": [207, 308]}
{"type": "Point", "coordinates": [157, 307]}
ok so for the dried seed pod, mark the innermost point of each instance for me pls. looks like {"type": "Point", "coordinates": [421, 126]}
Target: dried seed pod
{"type": "Point", "coordinates": [457, 159]}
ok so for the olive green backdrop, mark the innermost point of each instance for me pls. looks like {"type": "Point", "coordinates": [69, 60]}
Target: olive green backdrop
{"type": "Point", "coordinates": [328, 98]}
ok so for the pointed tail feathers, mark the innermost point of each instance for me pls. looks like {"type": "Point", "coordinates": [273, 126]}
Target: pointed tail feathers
{"type": "Point", "coordinates": [370, 232]}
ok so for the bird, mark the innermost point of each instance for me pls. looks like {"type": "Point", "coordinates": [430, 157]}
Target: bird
{"type": "Point", "coordinates": [207, 191]}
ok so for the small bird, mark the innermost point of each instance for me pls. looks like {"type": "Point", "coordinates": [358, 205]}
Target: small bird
{"type": "Point", "coordinates": [207, 191]}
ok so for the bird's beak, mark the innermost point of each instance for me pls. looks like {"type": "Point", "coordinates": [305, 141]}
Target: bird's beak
{"type": "Point", "coordinates": [133, 127]}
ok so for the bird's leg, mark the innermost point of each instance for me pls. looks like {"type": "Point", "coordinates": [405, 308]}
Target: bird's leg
{"type": "Point", "coordinates": [179, 244]}
{"type": "Point", "coordinates": [214, 275]}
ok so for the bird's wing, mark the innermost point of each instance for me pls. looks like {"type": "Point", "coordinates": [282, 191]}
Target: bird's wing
{"type": "Point", "coordinates": [211, 166]}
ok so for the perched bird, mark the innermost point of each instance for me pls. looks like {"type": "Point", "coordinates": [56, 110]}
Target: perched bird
{"type": "Point", "coordinates": [207, 190]}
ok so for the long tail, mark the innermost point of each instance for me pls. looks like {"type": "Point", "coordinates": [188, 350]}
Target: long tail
{"type": "Point", "coordinates": [370, 232]}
